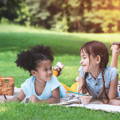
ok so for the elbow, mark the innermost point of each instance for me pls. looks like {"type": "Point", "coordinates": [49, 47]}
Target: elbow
{"type": "Point", "coordinates": [56, 100]}
{"type": "Point", "coordinates": [112, 97]}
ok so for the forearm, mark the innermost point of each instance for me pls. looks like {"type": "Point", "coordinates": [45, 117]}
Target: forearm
{"type": "Point", "coordinates": [14, 99]}
{"type": "Point", "coordinates": [114, 61]}
{"type": "Point", "coordinates": [49, 101]}
{"type": "Point", "coordinates": [17, 98]}
{"type": "Point", "coordinates": [112, 93]}
{"type": "Point", "coordinates": [94, 101]}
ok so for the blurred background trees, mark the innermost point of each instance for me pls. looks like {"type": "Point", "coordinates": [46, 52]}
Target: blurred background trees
{"type": "Point", "coordinates": [64, 15]}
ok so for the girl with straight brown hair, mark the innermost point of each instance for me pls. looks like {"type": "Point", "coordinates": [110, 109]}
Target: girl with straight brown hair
{"type": "Point", "coordinates": [96, 77]}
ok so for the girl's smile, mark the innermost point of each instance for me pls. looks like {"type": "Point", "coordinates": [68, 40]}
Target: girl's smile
{"type": "Point", "coordinates": [84, 61]}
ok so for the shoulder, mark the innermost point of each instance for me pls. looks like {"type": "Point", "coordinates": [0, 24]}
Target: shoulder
{"type": "Point", "coordinates": [81, 72]}
{"type": "Point", "coordinates": [80, 69]}
{"type": "Point", "coordinates": [53, 83]}
{"type": "Point", "coordinates": [27, 85]}
{"type": "Point", "coordinates": [28, 81]}
{"type": "Point", "coordinates": [111, 72]}
{"type": "Point", "coordinates": [53, 80]}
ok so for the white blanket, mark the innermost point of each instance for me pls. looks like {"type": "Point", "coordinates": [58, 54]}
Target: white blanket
{"type": "Point", "coordinates": [103, 107]}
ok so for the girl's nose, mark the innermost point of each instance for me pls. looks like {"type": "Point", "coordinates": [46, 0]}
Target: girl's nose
{"type": "Point", "coordinates": [50, 72]}
{"type": "Point", "coordinates": [81, 62]}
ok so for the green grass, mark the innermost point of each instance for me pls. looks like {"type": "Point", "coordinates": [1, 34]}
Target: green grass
{"type": "Point", "coordinates": [14, 111]}
{"type": "Point", "coordinates": [14, 38]}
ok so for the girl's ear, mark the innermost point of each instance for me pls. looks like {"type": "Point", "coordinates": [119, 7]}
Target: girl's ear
{"type": "Point", "coordinates": [33, 72]}
{"type": "Point", "coordinates": [98, 59]}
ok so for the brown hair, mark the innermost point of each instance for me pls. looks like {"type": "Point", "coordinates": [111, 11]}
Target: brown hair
{"type": "Point", "coordinates": [95, 48]}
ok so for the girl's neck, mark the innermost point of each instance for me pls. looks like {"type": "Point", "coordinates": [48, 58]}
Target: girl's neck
{"type": "Point", "coordinates": [38, 81]}
{"type": "Point", "coordinates": [39, 86]}
{"type": "Point", "coordinates": [95, 73]}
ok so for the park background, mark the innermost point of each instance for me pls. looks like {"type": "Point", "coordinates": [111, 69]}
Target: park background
{"type": "Point", "coordinates": [64, 25]}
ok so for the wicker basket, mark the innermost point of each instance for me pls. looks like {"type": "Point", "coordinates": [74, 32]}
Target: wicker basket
{"type": "Point", "coordinates": [6, 86]}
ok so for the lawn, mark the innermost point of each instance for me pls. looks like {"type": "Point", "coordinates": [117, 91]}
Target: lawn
{"type": "Point", "coordinates": [14, 38]}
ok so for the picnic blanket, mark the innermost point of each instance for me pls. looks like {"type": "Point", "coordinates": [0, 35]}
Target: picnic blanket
{"type": "Point", "coordinates": [73, 100]}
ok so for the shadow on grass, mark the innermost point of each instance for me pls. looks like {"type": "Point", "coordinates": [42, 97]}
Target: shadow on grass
{"type": "Point", "coordinates": [60, 43]}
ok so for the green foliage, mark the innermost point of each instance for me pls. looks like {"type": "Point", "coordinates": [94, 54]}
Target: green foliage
{"type": "Point", "coordinates": [14, 11]}
{"type": "Point", "coordinates": [24, 16]}
{"type": "Point", "coordinates": [65, 15]}
{"type": "Point", "coordinates": [4, 21]}
{"type": "Point", "coordinates": [103, 19]}
{"type": "Point", "coordinates": [60, 25]}
{"type": "Point", "coordinates": [76, 15]}
{"type": "Point", "coordinates": [9, 8]}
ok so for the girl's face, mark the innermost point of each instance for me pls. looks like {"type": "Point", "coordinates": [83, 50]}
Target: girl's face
{"type": "Point", "coordinates": [84, 61]}
{"type": "Point", "coordinates": [43, 71]}
{"type": "Point", "coordinates": [89, 63]}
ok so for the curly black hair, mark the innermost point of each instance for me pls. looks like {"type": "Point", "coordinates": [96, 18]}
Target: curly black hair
{"type": "Point", "coordinates": [29, 59]}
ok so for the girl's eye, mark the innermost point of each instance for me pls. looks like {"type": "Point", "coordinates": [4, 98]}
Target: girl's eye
{"type": "Point", "coordinates": [84, 57]}
{"type": "Point", "coordinates": [47, 69]}
{"type": "Point", "coordinates": [50, 68]}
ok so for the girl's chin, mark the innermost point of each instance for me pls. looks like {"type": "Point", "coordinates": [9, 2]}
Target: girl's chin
{"type": "Point", "coordinates": [85, 70]}
{"type": "Point", "coordinates": [47, 79]}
